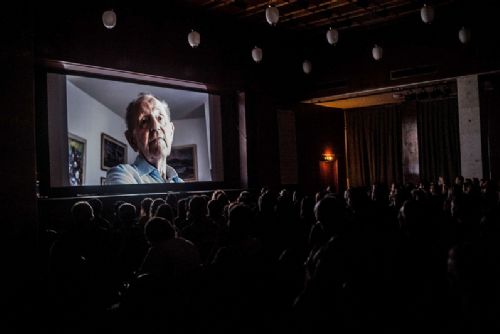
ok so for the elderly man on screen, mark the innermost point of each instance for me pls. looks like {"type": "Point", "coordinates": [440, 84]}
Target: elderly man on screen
{"type": "Point", "coordinates": [149, 132]}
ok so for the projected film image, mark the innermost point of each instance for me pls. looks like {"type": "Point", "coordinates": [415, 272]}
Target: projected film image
{"type": "Point", "coordinates": [168, 137]}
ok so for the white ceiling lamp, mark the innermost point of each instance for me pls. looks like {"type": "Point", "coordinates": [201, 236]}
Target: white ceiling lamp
{"type": "Point", "coordinates": [377, 52]}
{"type": "Point", "coordinates": [272, 15]}
{"type": "Point", "coordinates": [109, 19]}
{"type": "Point", "coordinates": [464, 35]}
{"type": "Point", "coordinates": [332, 36]}
{"type": "Point", "coordinates": [194, 38]}
{"type": "Point", "coordinates": [257, 54]}
{"type": "Point", "coordinates": [427, 14]}
{"type": "Point", "coordinates": [307, 66]}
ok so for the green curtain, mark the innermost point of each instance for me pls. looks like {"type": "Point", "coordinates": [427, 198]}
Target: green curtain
{"type": "Point", "coordinates": [438, 139]}
{"type": "Point", "coordinates": [374, 153]}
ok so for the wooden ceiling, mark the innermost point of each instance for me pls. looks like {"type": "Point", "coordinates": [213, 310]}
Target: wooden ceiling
{"type": "Point", "coordinates": [311, 15]}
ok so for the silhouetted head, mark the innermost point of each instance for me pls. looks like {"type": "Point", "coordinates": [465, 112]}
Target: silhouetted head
{"type": "Point", "coordinates": [240, 221]}
{"type": "Point", "coordinates": [127, 213]}
{"type": "Point", "coordinates": [245, 197]}
{"type": "Point", "coordinates": [221, 196]}
{"type": "Point", "coordinates": [182, 208]}
{"type": "Point", "coordinates": [145, 206]}
{"type": "Point", "coordinates": [356, 198]}
{"type": "Point", "coordinates": [171, 199]}
{"type": "Point", "coordinates": [158, 229]}
{"type": "Point", "coordinates": [465, 208]}
{"type": "Point", "coordinates": [82, 213]}
{"type": "Point", "coordinates": [307, 207]}
{"type": "Point", "coordinates": [267, 203]}
{"type": "Point", "coordinates": [154, 206]}
{"type": "Point", "coordinates": [285, 194]}
{"type": "Point", "coordinates": [116, 205]}
{"type": "Point", "coordinates": [379, 193]}
{"type": "Point", "coordinates": [96, 205]}
{"type": "Point", "coordinates": [330, 213]}
{"type": "Point", "coordinates": [413, 219]}
{"type": "Point", "coordinates": [197, 207]}
{"type": "Point", "coordinates": [297, 196]}
{"type": "Point", "coordinates": [215, 208]}
{"type": "Point", "coordinates": [418, 194]}
{"type": "Point", "coordinates": [459, 180]}
{"type": "Point", "coordinates": [165, 211]}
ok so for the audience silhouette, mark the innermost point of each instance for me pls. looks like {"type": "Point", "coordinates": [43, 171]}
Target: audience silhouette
{"type": "Point", "coordinates": [405, 259]}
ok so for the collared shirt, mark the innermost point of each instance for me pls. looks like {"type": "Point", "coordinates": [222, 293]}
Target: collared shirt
{"type": "Point", "coordinates": [140, 172]}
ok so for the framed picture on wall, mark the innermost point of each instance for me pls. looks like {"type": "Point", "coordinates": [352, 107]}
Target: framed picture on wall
{"type": "Point", "coordinates": [113, 152]}
{"type": "Point", "coordinates": [77, 149]}
{"type": "Point", "coordinates": [183, 160]}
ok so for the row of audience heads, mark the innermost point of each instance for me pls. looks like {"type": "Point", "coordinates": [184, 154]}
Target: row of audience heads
{"type": "Point", "coordinates": [268, 202]}
{"type": "Point", "coordinates": [160, 216]}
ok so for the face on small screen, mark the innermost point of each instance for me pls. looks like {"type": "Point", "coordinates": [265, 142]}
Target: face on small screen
{"type": "Point", "coordinates": [89, 132]}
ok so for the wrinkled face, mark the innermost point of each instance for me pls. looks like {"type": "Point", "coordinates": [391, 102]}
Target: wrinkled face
{"type": "Point", "coordinates": [153, 132]}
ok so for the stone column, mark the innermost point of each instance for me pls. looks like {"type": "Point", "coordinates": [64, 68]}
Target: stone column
{"type": "Point", "coordinates": [409, 136]}
{"type": "Point", "coordinates": [469, 126]}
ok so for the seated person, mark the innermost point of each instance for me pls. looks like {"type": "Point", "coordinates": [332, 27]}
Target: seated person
{"type": "Point", "coordinates": [169, 255]}
{"type": "Point", "coordinates": [149, 132]}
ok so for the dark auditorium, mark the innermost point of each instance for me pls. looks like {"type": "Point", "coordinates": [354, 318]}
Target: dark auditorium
{"type": "Point", "coordinates": [250, 166]}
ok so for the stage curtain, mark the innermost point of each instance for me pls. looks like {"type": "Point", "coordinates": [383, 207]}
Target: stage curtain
{"type": "Point", "coordinates": [374, 153]}
{"type": "Point", "coordinates": [438, 139]}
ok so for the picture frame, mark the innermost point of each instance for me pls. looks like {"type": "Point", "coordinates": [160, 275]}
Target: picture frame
{"type": "Point", "coordinates": [113, 152]}
{"type": "Point", "coordinates": [77, 151]}
{"type": "Point", "coordinates": [184, 160]}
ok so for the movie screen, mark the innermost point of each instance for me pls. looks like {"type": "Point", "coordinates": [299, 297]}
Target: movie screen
{"type": "Point", "coordinates": [87, 133]}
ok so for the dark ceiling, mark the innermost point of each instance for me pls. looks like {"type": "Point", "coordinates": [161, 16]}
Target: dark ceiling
{"type": "Point", "coordinates": [316, 15]}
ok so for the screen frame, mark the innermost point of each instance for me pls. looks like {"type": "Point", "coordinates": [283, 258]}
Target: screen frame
{"type": "Point", "coordinates": [44, 187]}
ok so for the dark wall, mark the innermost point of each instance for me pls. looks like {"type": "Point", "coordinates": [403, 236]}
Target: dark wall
{"type": "Point", "coordinates": [17, 138]}
{"type": "Point", "coordinates": [262, 135]}
{"type": "Point", "coordinates": [489, 86]}
{"type": "Point", "coordinates": [318, 129]}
